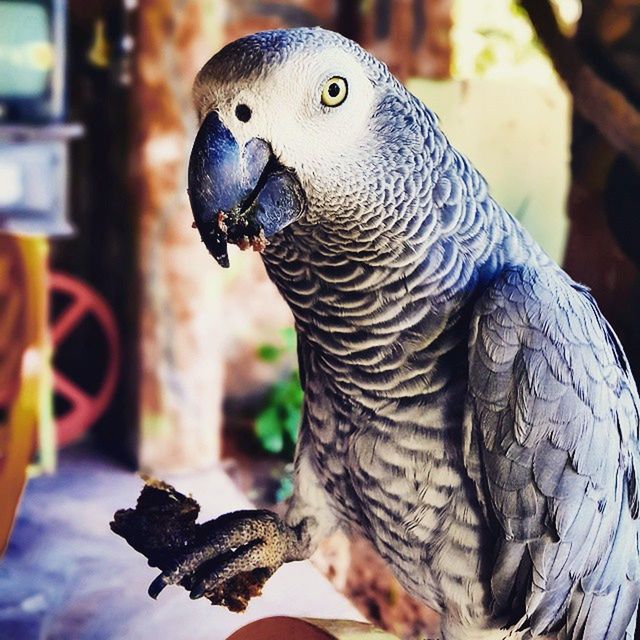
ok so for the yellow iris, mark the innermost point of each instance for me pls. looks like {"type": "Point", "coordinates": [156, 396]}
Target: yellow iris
{"type": "Point", "coordinates": [334, 91]}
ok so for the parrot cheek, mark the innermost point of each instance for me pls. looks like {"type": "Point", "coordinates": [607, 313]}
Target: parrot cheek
{"type": "Point", "coordinates": [240, 195]}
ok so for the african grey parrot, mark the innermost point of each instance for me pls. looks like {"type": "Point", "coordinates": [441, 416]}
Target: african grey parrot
{"type": "Point", "coordinates": [467, 407]}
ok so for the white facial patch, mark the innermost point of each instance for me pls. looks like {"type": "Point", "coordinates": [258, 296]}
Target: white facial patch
{"type": "Point", "coordinates": [287, 111]}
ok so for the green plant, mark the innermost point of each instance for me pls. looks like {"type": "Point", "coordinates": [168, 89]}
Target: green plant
{"type": "Point", "coordinates": [285, 488]}
{"type": "Point", "coordinates": [276, 425]}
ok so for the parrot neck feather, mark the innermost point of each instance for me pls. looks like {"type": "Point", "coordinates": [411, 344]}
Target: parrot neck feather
{"type": "Point", "coordinates": [427, 240]}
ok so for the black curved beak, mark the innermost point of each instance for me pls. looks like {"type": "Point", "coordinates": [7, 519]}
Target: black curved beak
{"type": "Point", "coordinates": [239, 195]}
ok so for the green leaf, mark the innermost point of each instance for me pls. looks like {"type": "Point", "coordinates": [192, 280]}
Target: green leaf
{"type": "Point", "coordinates": [292, 423]}
{"type": "Point", "coordinates": [297, 392]}
{"type": "Point", "coordinates": [290, 339]}
{"type": "Point", "coordinates": [269, 430]}
{"type": "Point", "coordinates": [285, 490]}
{"type": "Point", "coordinates": [279, 394]}
{"type": "Point", "coordinates": [269, 352]}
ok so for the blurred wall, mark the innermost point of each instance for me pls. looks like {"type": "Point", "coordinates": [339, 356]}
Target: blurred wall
{"type": "Point", "coordinates": [517, 133]}
{"type": "Point", "coordinates": [181, 306]}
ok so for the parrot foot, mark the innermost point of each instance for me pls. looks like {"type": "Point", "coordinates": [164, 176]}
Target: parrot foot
{"type": "Point", "coordinates": [231, 558]}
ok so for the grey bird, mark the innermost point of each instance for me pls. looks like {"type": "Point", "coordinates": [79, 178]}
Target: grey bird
{"type": "Point", "coordinates": [467, 407]}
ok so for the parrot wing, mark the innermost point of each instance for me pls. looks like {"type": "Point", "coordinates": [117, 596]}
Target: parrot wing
{"type": "Point", "coordinates": [551, 441]}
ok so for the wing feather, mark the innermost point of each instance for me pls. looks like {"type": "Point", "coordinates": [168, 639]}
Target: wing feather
{"type": "Point", "coordinates": [552, 444]}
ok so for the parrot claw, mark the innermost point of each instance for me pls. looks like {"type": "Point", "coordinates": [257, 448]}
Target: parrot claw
{"type": "Point", "coordinates": [231, 559]}
{"type": "Point", "coordinates": [157, 586]}
{"type": "Point", "coordinates": [255, 556]}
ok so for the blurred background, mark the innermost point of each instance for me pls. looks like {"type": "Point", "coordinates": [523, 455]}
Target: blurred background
{"type": "Point", "coordinates": [124, 347]}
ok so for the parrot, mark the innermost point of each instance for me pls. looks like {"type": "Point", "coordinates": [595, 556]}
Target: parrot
{"type": "Point", "coordinates": [467, 407]}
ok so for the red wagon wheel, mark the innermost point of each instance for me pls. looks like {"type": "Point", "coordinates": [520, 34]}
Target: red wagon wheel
{"type": "Point", "coordinates": [84, 407]}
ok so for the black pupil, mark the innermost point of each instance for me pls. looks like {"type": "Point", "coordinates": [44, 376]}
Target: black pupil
{"type": "Point", "coordinates": [334, 89]}
{"type": "Point", "coordinates": [243, 113]}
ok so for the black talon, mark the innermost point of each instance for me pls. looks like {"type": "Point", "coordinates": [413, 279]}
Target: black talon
{"type": "Point", "coordinates": [156, 587]}
{"type": "Point", "coordinates": [198, 591]}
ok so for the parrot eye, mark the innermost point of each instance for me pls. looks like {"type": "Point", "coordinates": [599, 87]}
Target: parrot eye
{"type": "Point", "coordinates": [334, 91]}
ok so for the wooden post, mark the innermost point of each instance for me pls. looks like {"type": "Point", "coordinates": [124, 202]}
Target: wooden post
{"type": "Point", "coordinates": [180, 350]}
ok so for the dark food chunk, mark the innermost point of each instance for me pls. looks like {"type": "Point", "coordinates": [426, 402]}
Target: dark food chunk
{"type": "Point", "coordinates": [163, 526]}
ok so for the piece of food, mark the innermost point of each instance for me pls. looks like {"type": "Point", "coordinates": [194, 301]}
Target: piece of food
{"type": "Point", "coordinates": [241, 231]}
{"type": "Point", "coordinates": [163, 528]}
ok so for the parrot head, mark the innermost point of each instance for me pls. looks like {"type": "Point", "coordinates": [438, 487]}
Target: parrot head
{"type": "Point", "coordinates": [287, 119]}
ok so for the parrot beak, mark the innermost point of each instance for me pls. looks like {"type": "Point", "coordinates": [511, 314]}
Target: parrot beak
{"type": "Point", "coordinates": [239, 195]}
